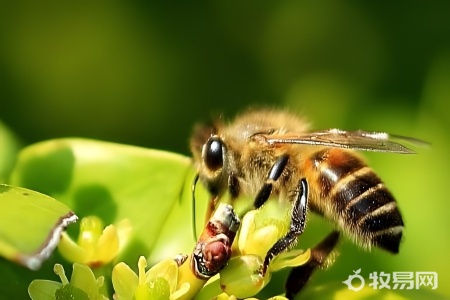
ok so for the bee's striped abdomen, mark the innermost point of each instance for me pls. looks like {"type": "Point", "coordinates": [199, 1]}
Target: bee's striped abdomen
{"type": "Point", "coordinates": [356, 199]}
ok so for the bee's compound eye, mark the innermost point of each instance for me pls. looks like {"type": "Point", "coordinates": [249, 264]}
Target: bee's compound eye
{"type": "Point", "coordinates": [213, 153]}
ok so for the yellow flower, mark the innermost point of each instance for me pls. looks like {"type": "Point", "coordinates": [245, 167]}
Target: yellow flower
{"type": "Point", "coordinates": [260, 229]}
{"type": "Point", "coordinates": [95, 246]}
{"type": "Point", "coordinates": [159, 282]}
{"type": "Point", "coordinates": [82, 285]}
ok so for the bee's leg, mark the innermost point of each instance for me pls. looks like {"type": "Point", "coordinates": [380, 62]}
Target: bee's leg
{"type": "Point", "coordinates": [298, 219]}
{"type": "Point", "coordinates": [274, 173]}
{"type": "Point", "coordinates": [299, 276]}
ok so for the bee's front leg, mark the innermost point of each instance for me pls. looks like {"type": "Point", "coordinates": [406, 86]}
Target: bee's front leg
{"type": "Point", "coordinates": [298, 220]}
{"type": "Point", "coordinates": [275, 172]}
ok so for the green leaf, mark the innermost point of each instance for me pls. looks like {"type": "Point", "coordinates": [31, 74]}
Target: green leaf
{"type": "Point", "coordinates": [30, 225]}
{"type": "Point", "coordinates": [114, 182]}
{"type": "Point", "coordinates": [150, 188]}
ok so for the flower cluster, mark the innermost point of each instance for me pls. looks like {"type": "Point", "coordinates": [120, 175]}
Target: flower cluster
{"type": "Point", "coordinates": [172, 278]}
{"type": "Point", "coordinates": [82, 285]}
{"type": "Point", "coordinates": [159, 282]}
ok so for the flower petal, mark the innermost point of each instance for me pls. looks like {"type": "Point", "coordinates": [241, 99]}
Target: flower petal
{"type": "Point", "coordinates": [124, 231]}
{"type": "Point", "coordinates": [43, 289]}
{"type": "Point", "coordinates": [125, 281]}
{"type": "Point", "coordinates": [261, 240]}
{"type": "Point", "coordinates": [167, 269]}
{"type": "Point", "coordinates": [84, 279]}
{"type": "Point", "coordinates": [90, 231]}
{"type": "Point", "coordinates": [247, 229]}
{"type": "Point", "coordinates": [292, 258]}
{"type": "Point", "coordinates": [241, 276]}
{"type": "Point", "coordinates": [159, 290]}
{"type": "Point", "coordinates": [70, 250]}
{"type": "Point", "coordinates": [69, 291]}
{"type": "Point", "coordinates": [182, 290]}
{"type": "Point", "coordinates": [107, 246]}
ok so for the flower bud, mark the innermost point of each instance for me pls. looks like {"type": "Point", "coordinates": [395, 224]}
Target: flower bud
{"type": "Point", "coordinates": [242, 277]}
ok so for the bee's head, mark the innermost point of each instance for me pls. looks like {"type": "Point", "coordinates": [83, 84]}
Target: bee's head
{"type": "Point", "coordinates": [209, 151]}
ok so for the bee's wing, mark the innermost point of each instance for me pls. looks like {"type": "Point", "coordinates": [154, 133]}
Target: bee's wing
{"type": "Point", "coordinates": [358, 140]}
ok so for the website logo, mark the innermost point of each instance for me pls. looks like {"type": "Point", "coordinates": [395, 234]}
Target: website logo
{"type": "Point", "coordinates": [393, 281]}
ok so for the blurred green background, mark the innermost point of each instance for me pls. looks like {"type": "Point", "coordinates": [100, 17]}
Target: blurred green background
{"type": "Point", "coordinates": [145, 73]}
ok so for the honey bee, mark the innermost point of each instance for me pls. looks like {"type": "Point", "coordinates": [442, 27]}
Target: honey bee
{"type": "Point", "coordinates": [270, 153]}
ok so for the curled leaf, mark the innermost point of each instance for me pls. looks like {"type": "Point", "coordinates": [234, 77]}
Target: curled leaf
{"type": "Point", "coordinates": [30, 225]}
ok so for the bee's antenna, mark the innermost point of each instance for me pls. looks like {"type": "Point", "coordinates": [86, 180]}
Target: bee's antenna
{"type": "Point", "coordinates": [194, 183]}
